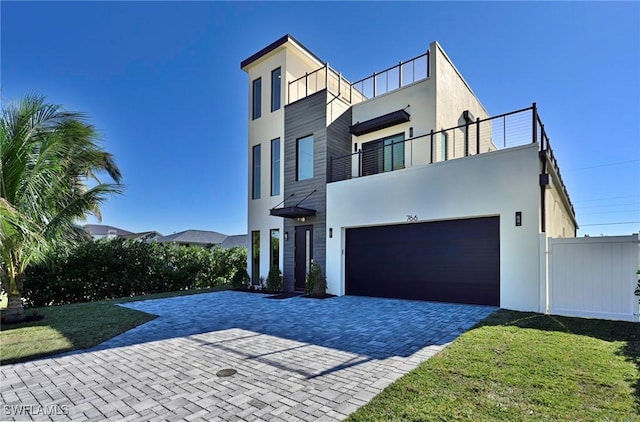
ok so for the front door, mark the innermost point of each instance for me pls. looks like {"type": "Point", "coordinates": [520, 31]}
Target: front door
{"type": "Point", "coordinates": [303, 254]}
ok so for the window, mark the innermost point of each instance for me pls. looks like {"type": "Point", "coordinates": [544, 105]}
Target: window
{"type": "Point", "coordinates": [386, 154]}
{"type": "Point", "coordinates": [275, 248]}
{"type": "Point", "coordinates": [305, 157]}
{"type": "Point", "coordinates": [275, 90]}
{"type": "Point", "coordinates": [257, 99]}
{"type": "Point", "coordinates": [443, 147]}
{"type": "Point", "coordinates": [275, 167]}
{"type": "Point", "coordinates": [255, 257]}
{"type": "Point", "coordinates": [255, 179]}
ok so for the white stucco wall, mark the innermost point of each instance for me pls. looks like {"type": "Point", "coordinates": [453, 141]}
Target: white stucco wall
{"type": "Point", "coordinates": [498, 183]}
{"type": "Point", "coordinates": [453, 97]}
{"type": "Point", "coordinates": [293, 63]}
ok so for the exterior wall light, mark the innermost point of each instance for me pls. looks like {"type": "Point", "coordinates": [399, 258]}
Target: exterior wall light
{"type": "Point", "coordinates": [286, 236]}
{"type": "Point", "coordinates": [518, 218]}
{"type": "Point", "coordinates": [330, 232]}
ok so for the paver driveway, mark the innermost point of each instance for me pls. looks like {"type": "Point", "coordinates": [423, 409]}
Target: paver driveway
{"type": "Point", "coordinates": [296, 359]}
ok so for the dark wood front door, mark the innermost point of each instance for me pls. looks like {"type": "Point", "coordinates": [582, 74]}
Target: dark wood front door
{"type": "Point", "coordinates": [303, 254]}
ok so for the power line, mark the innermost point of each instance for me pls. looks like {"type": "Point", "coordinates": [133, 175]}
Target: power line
{"type": "Point", "coordinates": [609, 205]}
{"type": "Point", "coordinates": [606, 199]}
{"type": "Point", "coordinates": [609, 224]}
{"type": "Point", "coordinates": [610, 212]}
{"type": "Point", "coordinates": [603, 165]}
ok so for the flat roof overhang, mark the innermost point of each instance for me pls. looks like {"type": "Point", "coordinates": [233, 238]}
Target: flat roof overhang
{"type": "Point", "coordinates": [382, 122]}
{"type": "Point", "coordinates": [292, 212]}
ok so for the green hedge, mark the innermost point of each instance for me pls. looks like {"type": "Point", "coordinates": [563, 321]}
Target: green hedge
{"type": "Point", "coordinates": [105, 269]}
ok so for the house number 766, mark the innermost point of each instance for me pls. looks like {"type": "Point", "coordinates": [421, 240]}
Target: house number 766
{"type": "Point", "coordinates": [411, 218]}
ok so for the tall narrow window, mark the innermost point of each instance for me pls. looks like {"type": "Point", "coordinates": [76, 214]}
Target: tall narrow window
{"type": "Point", "coordinates": [255, 178]}
{"type": "Point", "coordinates": [256, 99]}
{"type": "Point", "coordinates": [255, 257]}
{"type": "Point", "coordinates": [275, 167]}
{"type": "Point", "coordinates": [443, 146]}
{"type": "Point", "coordinates": [275, 90]}
{"type": "Point", "coordinates": [275, 248]}
{"type": "Point", "coordinates": [305, 157]}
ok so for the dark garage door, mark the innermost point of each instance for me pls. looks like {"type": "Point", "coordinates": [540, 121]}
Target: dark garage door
{"type": "Point", "coordinates": [446, 261]}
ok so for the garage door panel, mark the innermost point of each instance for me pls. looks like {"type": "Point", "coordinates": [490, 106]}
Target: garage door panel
{"type": "Point", "coordinates": [452, 261]}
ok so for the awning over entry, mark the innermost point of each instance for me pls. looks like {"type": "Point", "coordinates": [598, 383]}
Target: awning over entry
{"type": "Point", "coordinates": [381, 122]}
{"type": "Point", "coordinates": [292, 212]}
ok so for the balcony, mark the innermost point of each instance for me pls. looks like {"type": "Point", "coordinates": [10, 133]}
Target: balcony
{"type": "Point", "coordinates": [379, 83]}
{"type": "Point", "coordinates": [477, 136]}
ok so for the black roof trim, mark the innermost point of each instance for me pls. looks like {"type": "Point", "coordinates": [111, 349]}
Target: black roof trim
{"type": "Point", "coordinates": [268, 49]}
{"type": "Point", "coordinates": [381, 122]}
{"type": "Point", "coordinates": [292, 212]}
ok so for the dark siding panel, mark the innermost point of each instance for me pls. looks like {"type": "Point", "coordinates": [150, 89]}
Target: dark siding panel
{"type": "Point", "coordinates": [305, 117]}
{"type": "Point", "coordinates": [449, 261]}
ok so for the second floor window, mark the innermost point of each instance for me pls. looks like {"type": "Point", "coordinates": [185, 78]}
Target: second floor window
{"type": "Point", "coordinates": [255, 178]}
{"type": "Point", "coordinates": [275, 90]}
{"type": "Point", "coordinates": [256, 101]}
{"type": "Point", "coordinates": [305, 158]}
{"type": "Point", "coordinates": [275, 167]}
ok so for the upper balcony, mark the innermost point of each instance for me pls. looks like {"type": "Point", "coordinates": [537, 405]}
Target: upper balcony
{"type": "Point", "coordinates": [379, 83]}
{"type": "Point", "coordinates": [475, 137]}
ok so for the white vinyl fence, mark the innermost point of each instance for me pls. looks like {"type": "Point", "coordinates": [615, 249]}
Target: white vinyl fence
{"type": "Point", "coordinates": [594, 277]}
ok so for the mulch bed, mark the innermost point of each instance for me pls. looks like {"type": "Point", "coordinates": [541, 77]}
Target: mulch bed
{"type": "Point", "coordinates": [327, 296]}
{"type": "Point", "coordinates": [285, 295]}
{"type": "Point", "coordinates": [27, 318]}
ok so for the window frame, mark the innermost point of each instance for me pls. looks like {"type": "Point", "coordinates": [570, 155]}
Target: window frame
{"type": "Point", "coordinates": [255, 257]}
{"type": "Point", "coordinates": [275, 172]}
{"type": "Point", "coordinates": [444, 146]}
{"type": "Point", "coordinates": [256, 100]}
{"type": "Point", "coordinates": [276, 94]}
{"type": "Point", "coordinates": [380, 151]}
{"type": "Point", "coordinates": [256, 170]}
{"type": "Point", "coordinates": [274, 260]}
{"type": "Point", "coordinates": [298, 167]}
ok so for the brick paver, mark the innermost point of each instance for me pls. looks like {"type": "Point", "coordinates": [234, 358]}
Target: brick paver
{"type": "Point", "coordinates": [296, 359]}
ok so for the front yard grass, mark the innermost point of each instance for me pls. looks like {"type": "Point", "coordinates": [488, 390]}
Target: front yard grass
{"type": "Point", "coordinates": [522, 366]}
{"type": "Point", "coordinates": [76, 326]}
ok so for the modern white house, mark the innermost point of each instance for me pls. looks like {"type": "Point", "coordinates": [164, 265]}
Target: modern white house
{"type": "Point", "coordinates": [399, 185]}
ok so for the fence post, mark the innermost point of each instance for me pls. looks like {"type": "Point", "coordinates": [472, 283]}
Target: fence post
{"type": "Point", "coordinates": [477, 135]}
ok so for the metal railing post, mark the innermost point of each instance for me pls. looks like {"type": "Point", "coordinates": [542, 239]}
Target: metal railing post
{"type": "Point", "coordinates": [374, 84]}
{"type": "Point", "coordinates": [359, 163]}
{"type": "Point", "coordinates": [400, 75]}
{"type": "Point", "coordinates": [466, 138]}
{"type": "Point", "coordinates": [477, 135]}
{"type": "Point", "coordinates": [431, 136]}
{"type": "Point", "coordinates": [326, 76]}
{"type": "Point", "coordinates": [534, 118]}
{"type": "Point", "coordinates": [306, 84]}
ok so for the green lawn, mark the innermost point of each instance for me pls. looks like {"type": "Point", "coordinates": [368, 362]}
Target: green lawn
{"type": "Point", "coordinates": [77, 326]}
{"type": "Point", "coordinates": [520, 366]}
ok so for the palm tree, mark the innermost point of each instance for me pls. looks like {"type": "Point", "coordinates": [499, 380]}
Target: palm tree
{"type": "Point", "coordinates": [50, 161]}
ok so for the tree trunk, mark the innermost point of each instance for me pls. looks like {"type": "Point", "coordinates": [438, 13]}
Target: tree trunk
{"type": "Point", "coordinates": [15, 309]}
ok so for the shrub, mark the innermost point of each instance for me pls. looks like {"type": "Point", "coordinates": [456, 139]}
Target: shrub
{"type": "Point", "coordinates": [240, 279]}
{"type": "Point", "coordinates": [105, 269]}
{"type": "Point", "coordinates": [316, 282]}
{"type": "Point", "coordinates": [274, 279]}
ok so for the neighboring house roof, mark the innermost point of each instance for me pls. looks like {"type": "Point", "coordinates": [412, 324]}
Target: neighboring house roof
{"type": "Point", "coordinates": [236, 240]}
{"type": "Point", "coordinates": [194, 237]}
{"type": "Point", "coordinates": [145, 236]}
{"type": "Point", "coordinates": [104, 230]}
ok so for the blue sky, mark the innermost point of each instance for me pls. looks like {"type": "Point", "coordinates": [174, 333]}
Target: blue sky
{"type": "Point", "coordinates": [162, 83]}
